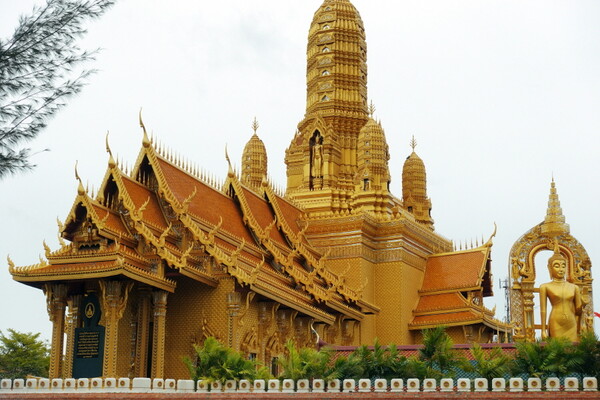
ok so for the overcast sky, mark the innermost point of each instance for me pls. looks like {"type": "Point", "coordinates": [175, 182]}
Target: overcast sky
{"type": "Point", "coordinates": [500, 95]}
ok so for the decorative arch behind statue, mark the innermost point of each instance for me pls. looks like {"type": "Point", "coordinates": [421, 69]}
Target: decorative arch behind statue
{"type": "Point", "coordinates": [553, 234]}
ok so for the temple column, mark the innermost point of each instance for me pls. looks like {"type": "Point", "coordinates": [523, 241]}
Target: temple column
{"type": "Point", "coordinates": [159, 299]}
{"type": "Point", "coordinates": [113, 298]}
{"type": "Point", "coordinates": [56, 302]}
{"type": "Point", "coordinates": [72, 324]}
{"type": "Point", "coordinates": [142, 331]}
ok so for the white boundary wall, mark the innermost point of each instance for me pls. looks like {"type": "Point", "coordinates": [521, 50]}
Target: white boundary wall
{"type": "Point", "coordinates": [147, 385]}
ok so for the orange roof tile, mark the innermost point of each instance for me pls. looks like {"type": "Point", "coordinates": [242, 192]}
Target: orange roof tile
{"type": "Point", "coordinates": [454, 271]}
{"type": "Point", "coordinates": [290, 213]}
{"type": "Point", "coordinates": [75, 268]}
{"type": "Point", "coordinates": [113, 222]}
{"type": "Point", "coordinates": [444, 301]}
{"type": "Point", "coordinates": [208, 204]}
{"type": "Point", "coordinates": [451, 318]}
{"type": "Point", "coordinates": [139, 194]}
{"type": "Point", "coordinates": [263, 214]}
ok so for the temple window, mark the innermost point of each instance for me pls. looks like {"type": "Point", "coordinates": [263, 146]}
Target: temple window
{"type": "Point", "coordinates": [365, 184]}
{"type": "Point", "coordinates": [325, 73]}
{"type": "Point", "coordinates": [326, 50]}
{"type": "Point", "coordinates": [325, 27]}
{"type": "Point", "coordinates": [325, 98]}
{"type": "Point", "coordinates": [410, 209]}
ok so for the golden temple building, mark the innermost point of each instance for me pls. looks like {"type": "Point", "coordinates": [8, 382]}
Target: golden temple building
{"type": "Point", "coordinates": [173, 258]}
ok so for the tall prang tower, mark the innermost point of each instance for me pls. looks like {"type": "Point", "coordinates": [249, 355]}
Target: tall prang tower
{"type": "Point", "coordinates": [322, 160]}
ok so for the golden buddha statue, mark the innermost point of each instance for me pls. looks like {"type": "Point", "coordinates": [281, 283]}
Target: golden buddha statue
{"type": "Point", "coordinates": [565, 297]}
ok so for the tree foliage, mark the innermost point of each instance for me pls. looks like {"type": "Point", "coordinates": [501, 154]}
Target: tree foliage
{"type": "Point", "coordinates": [557, 357]}
{"type": "Point", "coordinates": [39, 69]}
{"type": "Point", "coordinates": [493, 364]}
{"type": "Point", "coordinates": [380, 361]}
{"type": "Point", "coordinates": [436, 359]}
{"type": "Point", "coordinates": [588, 354]}
{"type": "Point", "coordinates": [437, 354]}
{"type": "Point", "coordinates": [306, 363]}
{"type": "Point", "coordinates": [215, 362]}
{"type": "Point", "coordinates": [23, 354]}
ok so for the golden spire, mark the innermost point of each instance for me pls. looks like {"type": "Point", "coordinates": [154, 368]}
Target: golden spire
{"type": "Point", "coordinates": [371, 109]}
{"type": "Point", "coordinates": [414, 187]}
{"type": "Point", "coordinates": [554, 222]}
{"type": "Point", "coordinates": [254, 159]}
{"type": "Point", "coordinates": [413, 143]}
{"type": "Point", "coordinates": [337, 48]}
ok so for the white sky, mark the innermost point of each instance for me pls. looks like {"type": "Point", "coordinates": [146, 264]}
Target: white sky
{"type": "Point", "coordinates": [500, 95]}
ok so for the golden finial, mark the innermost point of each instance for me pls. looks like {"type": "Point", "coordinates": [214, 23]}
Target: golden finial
{"type": "Point", "coordinates": [11, 264]}
{"type": "Point", "coordinates": [371, 109]}
{"type": "Point", "coordinates": [145, 140]}
{"type": "Point", "coordinates": [47, 250]}
{"type": "Point", "coordinates": [489, 243]}
{"type": "Point", "coordinates": [80, 188]}
{"type": "Point", "coordinates": [111, 160]}
{"type": "Point", "coordinates": [255, 125]}
{"type": "Point", "coordinates": [61, 226]}
{"type": "Point", "coordinates": [413, 143]}
{"type": "Point", "coordinates": [61, 241]}
{"type": "Point", "coordinates": [230, 173]}
{"type": "Point", "coordinates": [77, 173]}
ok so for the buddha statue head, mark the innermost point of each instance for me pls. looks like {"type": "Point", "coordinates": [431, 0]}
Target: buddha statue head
{"type": "Point", "coordinates": [557, 266]}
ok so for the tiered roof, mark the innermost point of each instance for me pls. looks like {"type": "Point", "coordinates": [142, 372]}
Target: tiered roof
{"type": "Point", "coordinates": [453, 289]}
{"type": "Point", "coordinates": [163, 222]}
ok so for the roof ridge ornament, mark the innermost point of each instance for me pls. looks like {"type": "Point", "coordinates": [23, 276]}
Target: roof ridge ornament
{"type": "Point", "coordinates": [489, 243]}
{"type": "Point", "coordinates": [111, 160]}
{"type": "Point", "coordinates": [230, 172]}
{"type": "Point", "coordinates": [145, 141]}
{"type": "Point", "coordinates": [80, 188]}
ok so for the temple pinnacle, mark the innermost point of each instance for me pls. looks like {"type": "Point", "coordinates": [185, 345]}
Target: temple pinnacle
{"type": "Point", "coordinates": [554, 222]}
{"type": "Point", "coordinates": [255, 125]}
{"type": "Point", "coordinates": [371, 109]}
{"type": "Point", "coordinates": [413, 143]}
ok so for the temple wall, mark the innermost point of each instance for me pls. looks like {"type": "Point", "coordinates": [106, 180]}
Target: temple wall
{"type": "Point", "coordinates": [192, 303]}
{"type": "Point", "coordinates": [126, 334]}
{"type": "Point", "coordinates": [397, 293]}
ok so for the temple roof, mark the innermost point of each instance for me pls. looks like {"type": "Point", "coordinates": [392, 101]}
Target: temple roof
{"type": "Point", "coordinates": [165, 218]}
{"type": "Point", "coordinates": [453, 289]}
{"type": "Point", "coordinates": [451, 271]}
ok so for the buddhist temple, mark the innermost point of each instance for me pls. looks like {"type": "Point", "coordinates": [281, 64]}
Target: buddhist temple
{"type": "Point", "coordinates": [162, 257]}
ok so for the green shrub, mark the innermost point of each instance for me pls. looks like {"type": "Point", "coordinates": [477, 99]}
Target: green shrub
{"type": "Point", "coordinates": [215, 362]}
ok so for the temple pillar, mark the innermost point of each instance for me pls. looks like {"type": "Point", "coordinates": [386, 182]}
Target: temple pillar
{"type": "Point", "coordinates": [72, 324]}
{"type": "Point", "coordinates": [56, 302]}
{"type": "Point", "coordinates": [113, 298]}
{"type": "Point", "coordinates": [233, 308]}
{"type": "Point", "coordinates": [142, 331]}
{"type": "Point", "coordinates": [159, 299]}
